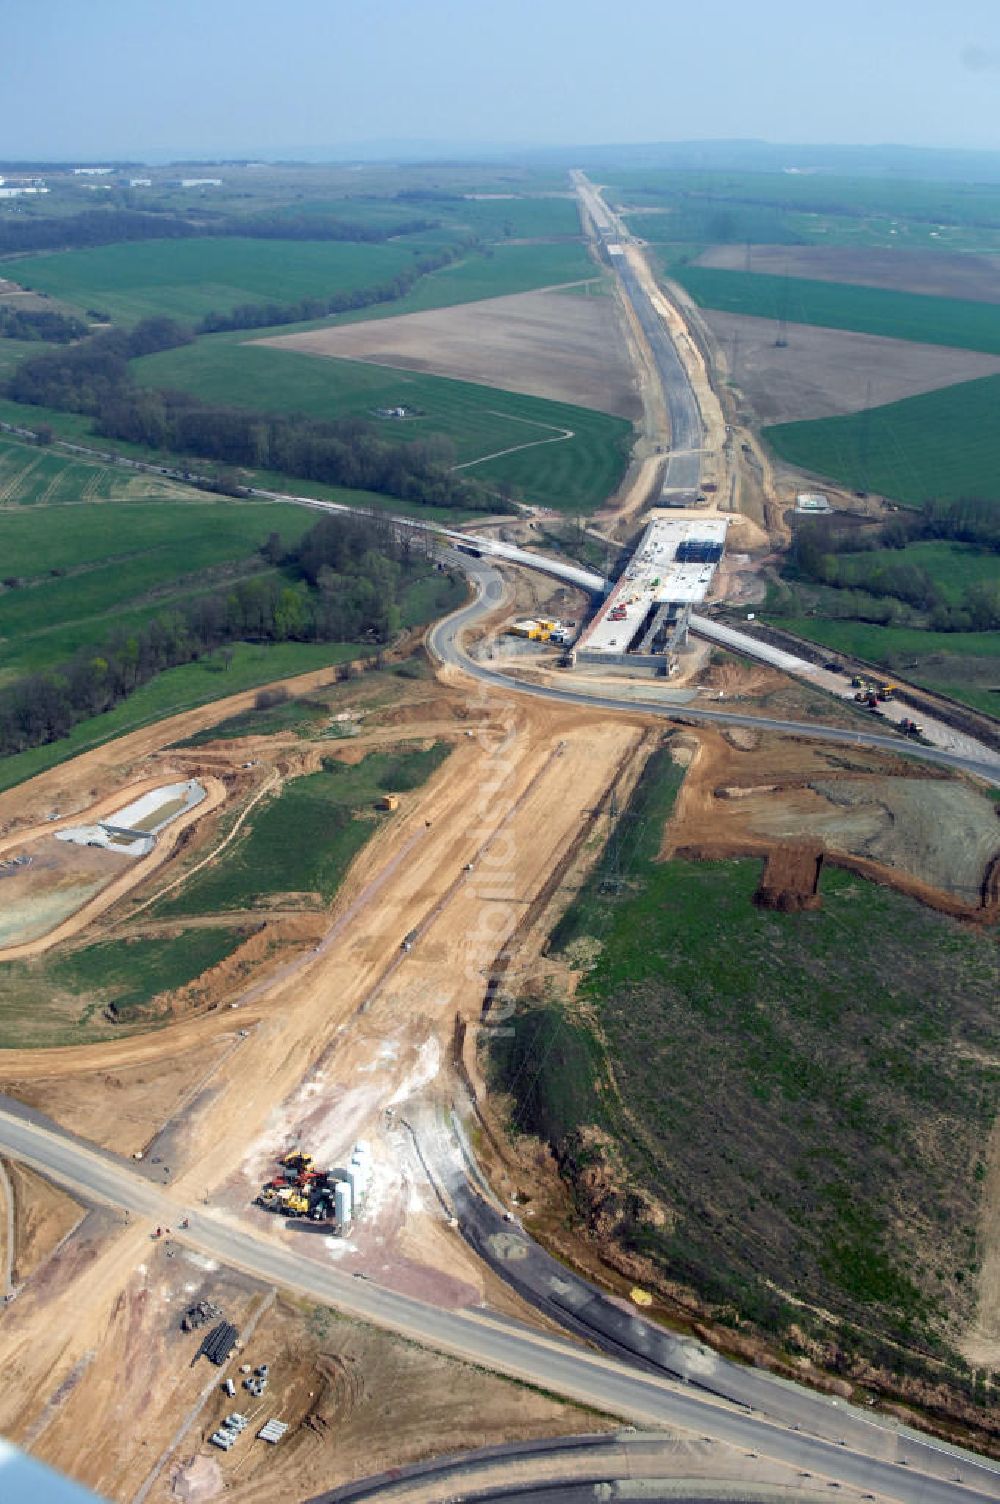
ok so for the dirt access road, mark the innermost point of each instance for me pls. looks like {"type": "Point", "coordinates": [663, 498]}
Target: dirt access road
{"type": "Point", "coordinates": [509, 804]}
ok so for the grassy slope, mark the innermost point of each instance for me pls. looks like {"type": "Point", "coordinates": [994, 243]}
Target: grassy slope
{"type": "Point", "coordinates": [842, 305]}
{"type": "Point", "coordinates": [943, 444]}
{"type": "Point", "coordinates": [26, 485]}
{"type": "Point", "coordinates": [180, 689]}
{"type": "Point", "coordinates": [951, 566]}
{"type": "Point", "coordinates": [30, 474]}
{"type": "Point", "coordinates": [56, 999]}
{"type": "Point", "coordinates": [195, 684]}
{"type": "Point", "coordinates": [573, 475]}
{"type": "Point", "coordinates": [122, 563]}
{"type": "Point", "coordinates": [185, 279]}
{"type": "Point", "coordinates": [304, 840]}
{"type": "Point", "coordinates": [795, 1126]}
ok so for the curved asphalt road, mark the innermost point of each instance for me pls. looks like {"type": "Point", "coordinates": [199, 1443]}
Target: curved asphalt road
{"type": "Point", "coordinates": [570, 1469]}
{"type": "Point", "coordinates": [444, 640]}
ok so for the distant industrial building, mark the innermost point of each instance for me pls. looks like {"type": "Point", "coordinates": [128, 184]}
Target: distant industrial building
{"type": "Point", "coordinates": [92, 172]}
{"type": "Point", "coordinates": [644, 620]}
{"type": "Point", "coordinates": [197, 183]}
{"type": "Point", "coordinates": [140, 182]}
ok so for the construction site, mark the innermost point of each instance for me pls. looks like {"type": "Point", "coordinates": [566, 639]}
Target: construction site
{"type": "Point", "coordinates": [255, 969]}
{"type": "Point", "coordinates": [644, 621]}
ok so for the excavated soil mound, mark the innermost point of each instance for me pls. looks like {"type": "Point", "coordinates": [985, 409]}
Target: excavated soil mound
{"type": "Point", "coordinates": [790, 880]}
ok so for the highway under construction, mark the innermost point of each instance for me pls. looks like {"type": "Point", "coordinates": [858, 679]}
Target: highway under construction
{"type": "Point", "coordinates": [319, 1088]}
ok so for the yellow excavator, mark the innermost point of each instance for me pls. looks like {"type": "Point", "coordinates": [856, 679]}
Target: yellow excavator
{"type": "Point", "coordinates": [298, 1161]}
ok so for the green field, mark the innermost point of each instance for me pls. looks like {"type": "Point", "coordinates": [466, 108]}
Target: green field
{"type": "Point", "coordinates": [84, 571]}
{"type": "Point", "coordinates": [830, 209]}
{"type": "Point", "coordinates": [304, 840]}
{"type": "Point", "coordinates": [59, 999]}
{"type": "Point", "coordinates": [943, 444]}
{"type": "Point", "coordinates": [30, 474]}
{"type": "Point", "coordinates": [178, 689]}
{"type": "Point", "coordinates": [510, 218]}
{"type": "Point", "coordinates": [576, 474]}
{"type": "Point", "coordinates": [952, 566]}
{"type": "Point", "coordinates": [505, 269]}
{"type": "Point", "coordinates": [956, 322]}
{"type": "Point", "coordinates": [24, 482]}
{"type": "Point", "coordinates": [185, 279]}
{"type": "Point", "coordinates": [786, 1130]}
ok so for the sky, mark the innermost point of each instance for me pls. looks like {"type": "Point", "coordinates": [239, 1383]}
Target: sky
{"type": "Point", "coordinates": [84, 79]}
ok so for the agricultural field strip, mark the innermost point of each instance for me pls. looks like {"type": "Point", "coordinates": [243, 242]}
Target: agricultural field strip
{"type": "Point", "coordinates": [955, 322]}
{"type": "Point", "coordinates": [118, 564]}
{"type": "Point", "coordinates": [186, 279]}
{"type": "Point", "coordinates": [582, 472]}
{"type": "Point", "coordinates": [943, 444]}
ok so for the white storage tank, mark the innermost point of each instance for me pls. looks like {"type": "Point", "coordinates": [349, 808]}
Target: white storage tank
{"type": "Point", "coordinates": [360, 1172]}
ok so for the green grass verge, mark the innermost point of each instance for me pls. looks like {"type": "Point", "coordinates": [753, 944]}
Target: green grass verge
{"type": "Point", "coordinates": [957, 322]}
{"type": "Point", "coordinates": [802, 1099]}
{"type": "Point", "coordinates": [176, 690]}
{"type": "Point", "coordinates": [304, 840]}
{"type": "Point", "coordinates": [942, 445]}
{"type": "Point", "coordinates": [185, 279]}
{"type": "Point", "coordinates": [574, 474]}
{"type": "Point", "coordinates": [59, 999]}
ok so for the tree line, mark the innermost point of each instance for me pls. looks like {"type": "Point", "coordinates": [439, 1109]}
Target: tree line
{"type": "Point", "coordinates": [93, 377]}
{"type": "Point", "coordinates": [93, 227]}
{"type": "Point", "coordinates": [341, 583]}
{"type": "Point", "coordinates": [40, 324]}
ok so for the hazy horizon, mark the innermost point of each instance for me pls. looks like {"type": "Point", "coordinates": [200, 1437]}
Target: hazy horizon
{"type": "Point", "coordinates": [148, 81]}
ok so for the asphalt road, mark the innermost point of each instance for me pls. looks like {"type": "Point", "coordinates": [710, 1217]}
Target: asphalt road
{"type": "Point", "coordinates": [683, 473]}
{"type": "Point", "coordinates": [445, 642]}
{"type": "Point", "coordinates": [574, 1469]}
{"type": "Point", "coordinates": [505, 1347]}
{"type": "Point", "coordinates": [684, 462]}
